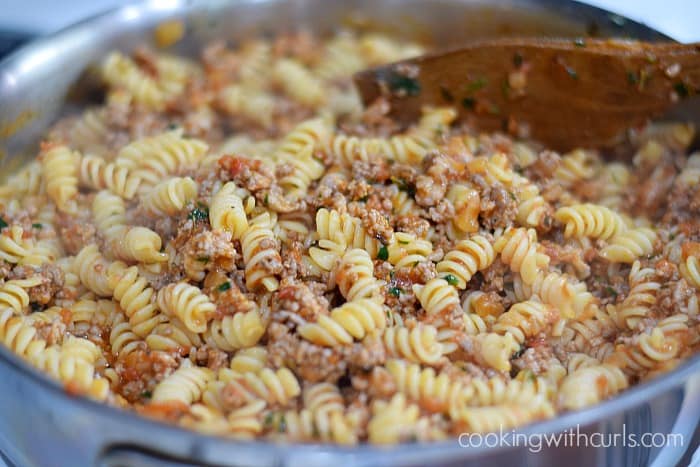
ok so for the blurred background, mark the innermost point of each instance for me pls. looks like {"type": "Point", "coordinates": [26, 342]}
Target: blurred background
{"type": "Point", "coordinates": [677, 18]}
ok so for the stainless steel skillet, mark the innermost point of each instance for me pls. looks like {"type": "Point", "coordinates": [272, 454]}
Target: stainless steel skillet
{"type": "Point", "coordinates": [42, 426]}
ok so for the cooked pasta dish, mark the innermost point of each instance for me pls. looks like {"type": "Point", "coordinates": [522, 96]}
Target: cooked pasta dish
{"type": "Point", "coordinates": [233, 244]}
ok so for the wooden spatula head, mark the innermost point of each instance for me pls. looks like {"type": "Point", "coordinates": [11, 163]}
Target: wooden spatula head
{"type": "Point", "coordinates": [564, 93]}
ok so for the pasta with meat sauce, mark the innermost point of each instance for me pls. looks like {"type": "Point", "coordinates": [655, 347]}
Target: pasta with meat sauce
{"type": "Point", "coordinates": [232, 244]}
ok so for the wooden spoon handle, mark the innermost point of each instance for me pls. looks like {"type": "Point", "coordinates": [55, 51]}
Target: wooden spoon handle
{"type": "Point", "coordinates": [565, 93]}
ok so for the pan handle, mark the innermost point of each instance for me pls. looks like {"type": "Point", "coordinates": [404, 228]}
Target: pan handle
{"type": "Point", "coordinates": [126, 456]}
{"type": "Point", "coordinates": [11, 40]}
{"type": "Point", "coordinates": [685, 425]}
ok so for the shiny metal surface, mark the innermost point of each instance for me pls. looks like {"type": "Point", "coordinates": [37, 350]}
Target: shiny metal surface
{"type": "Point", "coordinates": [41, 426]}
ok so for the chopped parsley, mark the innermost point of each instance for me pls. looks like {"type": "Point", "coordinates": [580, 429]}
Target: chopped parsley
{"type": "Point", "coordinates": [644, 77]}
{"type": "Point", "coordinates": [518, 353]}
{"type": "Point", "coordinates": [476, 84]}
{"type": "Point", "coordinates": [399, 83]}
{"type": "Point", "coordinates": [395, 291]}
{"type": "Point", "coordinates": [146, 394]}
{"type": "Point", "coordinates": [518, 59]}
{"type": "Point", "coordinates": [364, 199]}
{"type": "Point", "coordinates": [282, 425]}
{"type": "Point", "coordinates": [269, 418]}
{"type": "Point", "coordinates": [403, 242]}
{"type": "Point", "coordinates": [172, 126]}
{"type": "Point", "coordinates": [403, 185]}
{"type": "Point", "coordinates": [266, 201]}
{"type": "Point", "coordinates": [37, 225]}
{"type": "Point", "coordinates": [469, 103]}
{"type": "Point", "coordinates": [3, 224]}
{"type": "Point", "coordinates": [35, 307]}
{"type": "Point", "coordinates": [383, 253]}
{"type": "Point", "coordinates": [198, 214]}
{"type": "Point", "coordinates": [451, 279]}
{"type": "Point", "coordinates": [579, 42]}
{"type": "Point", "coordinates": [681, 89]}
{"type": "Point", "coordinates": [203, 259]}
{"type": "Point", "coordinates": [224, 286]}
{"type": "Point", "coordinates": [611, 291]}
{"type": "Point", "coordinates": [446, 94]}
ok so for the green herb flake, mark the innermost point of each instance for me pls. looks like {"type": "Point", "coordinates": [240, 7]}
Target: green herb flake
{"type": "Point", "coordinates": [644, 77]}
{"type": "Point", "coordinates": [505, 88]}
{"type": "Point", "coordinates": [512, 196]}
{"type": "Point", "coordinates": [172, 126]}
{"type": "Point", "coordinates": [611, 291]}
{"type": "Point", "coordinates": [476, 85]}
{"type": "Point", "coordinates": [203, 259]}
{"type": "Point", "coordinates": [518, 59]}
{"type": "Point", "coordinates": [383, 253]}
{"type": "Point", "coordinates": [198, 214]}
{"type": "Point", "coordinates": [395, 291]}
{"type": "Point", "coordinates": [403, 84]}
{"type": "Point", "coordinates": [632, 78]}
{"type": "Point", "coordinates": [282, 425]}
{"type": "Point", "coordinates": [37, 225]}
{"type": "Point", "coordinates": [446, 94]}
{"type": "Point", "coordinates": [518, 353]}
{"type": "Point", "coordinates": [392, 274]}
{"type": "Point", "coordinates": [269, 419]}
{"type": "Point", "coordinates": [681, 89]}
{"type": "Point", "coordinates": [451, 279]}
{"type": "Point", "coordinates": [35, 307]}
{"type": "Point", "coordinates": [266, 201]}
{"type": "Point", "coordinates": [146, 394]}
{"type": "Point", "coordinates": [364, 199]}
{"type": "Point", "coordinates": [3, 224]}
{"type": "Point", "coordinates": [403, 242]}
{"type": "Point", "coordinates": [224, 286]}
{"type": "Point", "coordinates": [579, 42]}
{"type": "Point", "coordinates": [415, 263]}
{"type": "Point", "coordinates": [469, 103]}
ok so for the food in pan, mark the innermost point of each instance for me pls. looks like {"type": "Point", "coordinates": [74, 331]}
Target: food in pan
{"type": "Point", "coordinates": [234, 245]}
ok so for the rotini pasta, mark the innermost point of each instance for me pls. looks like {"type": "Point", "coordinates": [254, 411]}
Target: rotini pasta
{"type": "Point", "coordinates": [332, 274]}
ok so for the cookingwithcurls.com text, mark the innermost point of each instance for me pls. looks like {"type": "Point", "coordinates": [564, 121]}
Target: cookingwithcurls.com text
{"type": "Point", "coordinates": [573, 437]}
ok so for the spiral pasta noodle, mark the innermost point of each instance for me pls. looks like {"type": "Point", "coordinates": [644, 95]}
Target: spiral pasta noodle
{"type": "Point", "coordinates": [590, 220]}
{"type": "Point", "coordinates": [59, 168]}
{"type": "Point", "coordinates": [352, 320]}
{"type": "Point", "coordinates": [188, 304]}
{"type": "Point", "coordinates": [96, 173]}
{"type": "Point", "coordinates": [437, 297]}
{"type": "Point", "coordinates": [185, 385]}
{"type": "Point", "coordinates": [468, 257]}
{"type": "Point", "coordinates": [355, 276]}
{"type": "Point", "coordinates": [419, 345]}
{"type": "Point", "coordinates": [259, 251]}
{"type": "Point", "coordinates": [630, 245]}
{"type": "Point", "coordinates": [226, 211]}
{"type": "Point", "coordinates": [518, 249]}
{"type": "Point", "coordinates": [170, 197]}
{"type": "Point", "coordinates": [154, 158]}
{"type": "Point", "coordinates": [237, 331]}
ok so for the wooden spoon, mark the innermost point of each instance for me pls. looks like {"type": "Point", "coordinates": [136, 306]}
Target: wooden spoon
{"type": "Point", "coordinates": [564, 93]}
